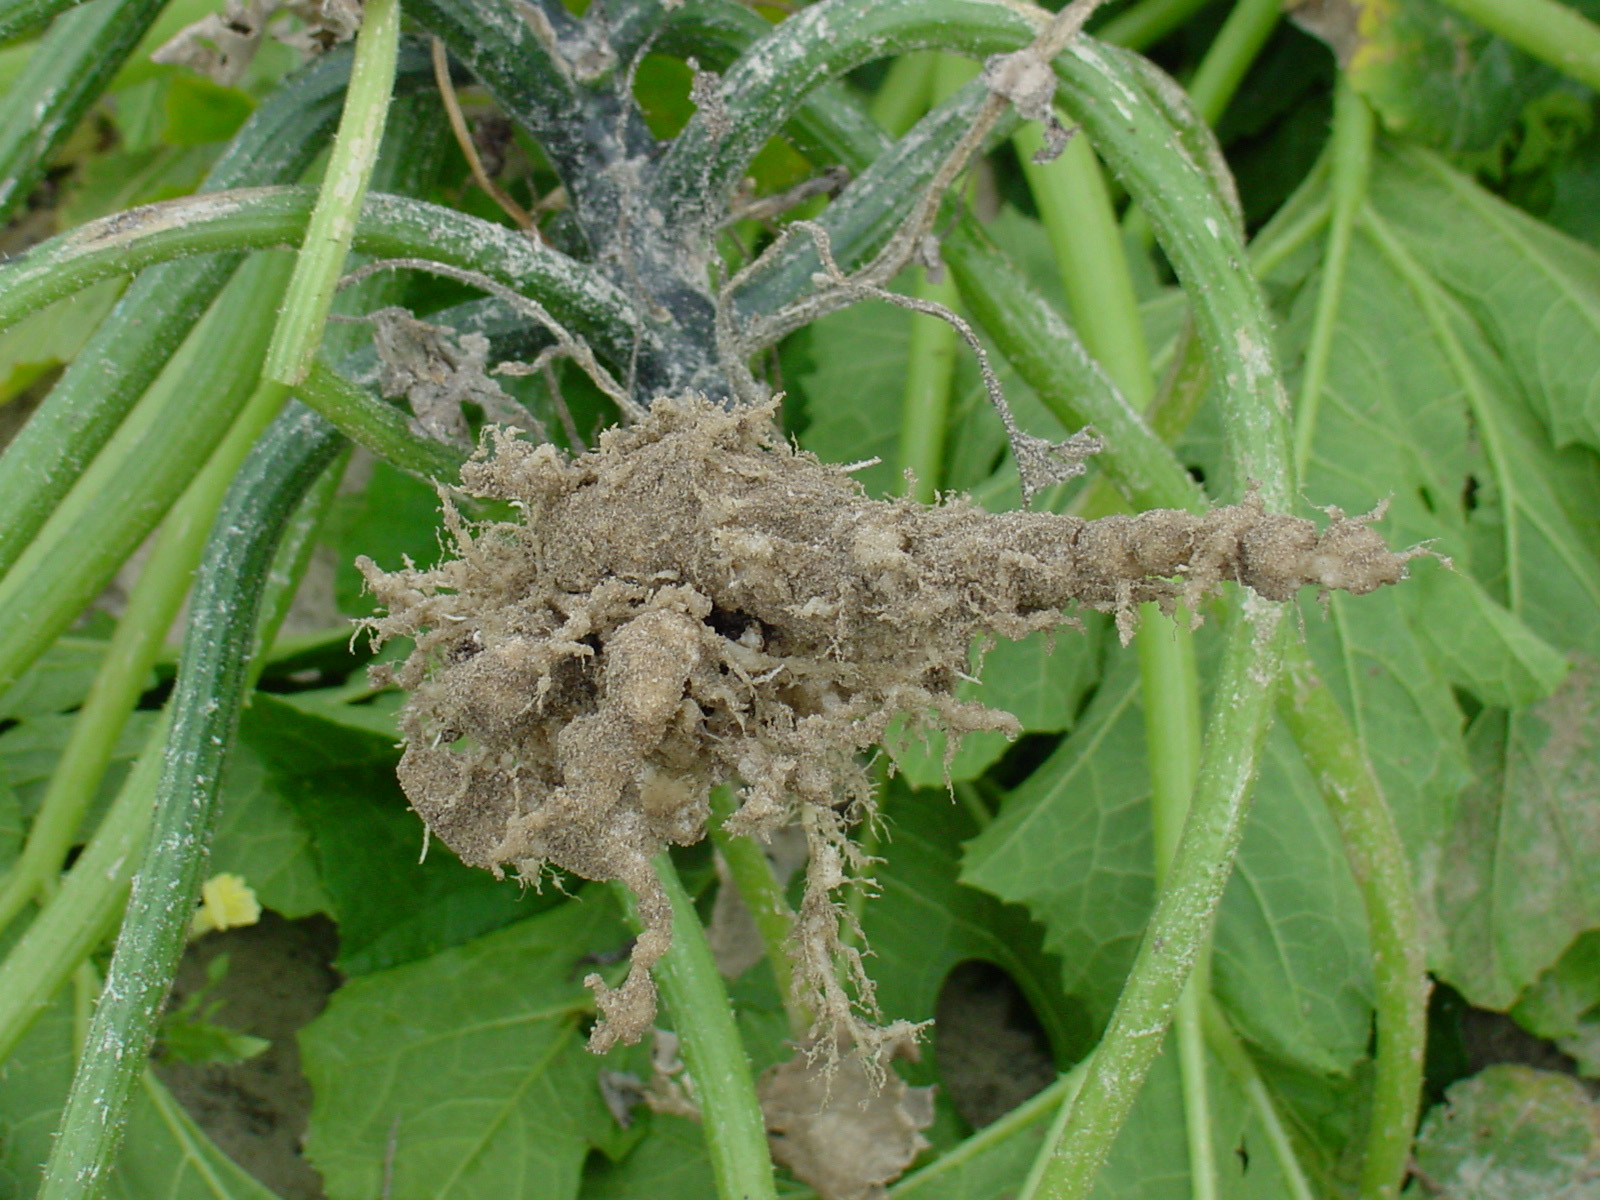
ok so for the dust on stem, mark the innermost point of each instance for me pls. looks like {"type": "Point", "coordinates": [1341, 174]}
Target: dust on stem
{"type": "Point", "coordinates": [696, 602]}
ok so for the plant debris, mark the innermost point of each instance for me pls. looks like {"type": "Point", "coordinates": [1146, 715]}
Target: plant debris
{"type": "Point", "coordinates": [840, 1126]}
{"type": "Point", "coordinates": [223, 45]}
{"type": "Point", "coordinates": [697, 602]}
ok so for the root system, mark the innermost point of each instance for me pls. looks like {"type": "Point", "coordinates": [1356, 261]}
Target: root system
{"type": "Point", "coordinates": [695, 601]}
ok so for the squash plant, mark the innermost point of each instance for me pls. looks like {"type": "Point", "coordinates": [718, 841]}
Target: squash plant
{"type": "Point", "coordinates": [710, 223]}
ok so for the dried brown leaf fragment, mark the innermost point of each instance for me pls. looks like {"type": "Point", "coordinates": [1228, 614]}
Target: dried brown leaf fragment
{"type": "Point", "coordinates": [840, 1126]}
{"type": "Point", "coordinates": [696, 602]}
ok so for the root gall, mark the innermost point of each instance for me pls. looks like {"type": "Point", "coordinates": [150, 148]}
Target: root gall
{"type": "Point", "coordinates": [695, 602]}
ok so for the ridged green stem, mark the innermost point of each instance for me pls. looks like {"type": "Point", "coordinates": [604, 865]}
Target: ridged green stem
{"type": "Point", "coordinates": [1351, 154]}
{"type": "Point", "coordinates": [392, 226]}
{"type": "Point", "coordinates": [65, 75]}
{"type": "Point", "coordinates": [19, 16]}
{"type": "Point", "coordinates": [205, 709]}
{"type": "Point", "coordinates": [1146, 23]}
{"type": "Point", "coordinates": [152, 605]}
{"type": "Point", "coordinates": [1546, 29]}
{"type": "Point", "coordinates": [763, 896]}
{"type": "Point", "coordinates": [1075, 207]}
{"type": "Point", "coordinates": [1378, 863]}
{"type": "Point", "coordinates": [332, 227]}
{"type": "Point", "coordinates": [382, 428]}
{"type": "Point", "coordinates": [702, 1017]}
{"type": "Point", "coordinates": [212, 673]}
{"type": "Point", "coordinates": [135, 341]}
{"type": "Point", "coordinates": [1229, 57]}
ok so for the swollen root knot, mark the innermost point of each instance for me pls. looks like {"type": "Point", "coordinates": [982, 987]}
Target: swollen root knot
{"type": "Point", "coordinates": [696, 602]}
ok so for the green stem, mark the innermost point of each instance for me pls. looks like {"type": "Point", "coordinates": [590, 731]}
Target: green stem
{"type": "Point", "coordinates": [736, 1136]}
{"type": "Point", "coordinates": [763, 896]}
{"type": "Point", "coordinates": [1170, 692]}
{"type": "Point", "coordinates": [1185, 907]}
{"type": "Point", "coordinates": [205, 710]}
{"type": "Point", "coordinates": [156, 598]}
{"type": "Point", "coordinates": [1045, 351]}
{"type": "Point", "coordinates": [262, 218]}
{"type": "Point", "coordinates": [332, 226]}
{"type": "Point", "coordinates": [1351, 152]}
{"type": "Point", "coordinates": [1023, 1117]}
{"type": "Point", "coordinates": [1146, 23]}
{"type": "Point", "coordinates": [65, 75]}
{"type": "Point", "coordinates": [1546, 29]}
{"type": "Point", "coordinates": [147, 464]}
{"type": "Point", "coordinates": [380, 427]}
{"type": "Point", "coordinates": [1075, 206]}
{"type": "Point", "coordinates": [1230, 56]}
{"type": "Point", "coordinates": [1226, 1046]}
{"type": "Point", "coordinates": [19, 16]}
{"type": "Point", "coordinates": [930, 379]}
{"type": "Point", "coordinates": [84, 908]}
{"type": "Point", "coordinates": [137, 339]}
{"type": "Point", "coordinates": [931, 354]}
{"type": "Point", "coordinates": [1378, 862]}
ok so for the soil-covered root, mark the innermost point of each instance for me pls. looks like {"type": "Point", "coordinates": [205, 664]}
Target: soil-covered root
{"type": "Point", "coordinates": [695, 601]}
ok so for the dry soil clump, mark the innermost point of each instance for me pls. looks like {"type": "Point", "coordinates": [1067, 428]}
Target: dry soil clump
{"type": "Point", "coordinates": [697, 602]}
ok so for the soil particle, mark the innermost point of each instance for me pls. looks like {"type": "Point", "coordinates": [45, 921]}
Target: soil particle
{"type": "Point", "coordinates": [696, 602]}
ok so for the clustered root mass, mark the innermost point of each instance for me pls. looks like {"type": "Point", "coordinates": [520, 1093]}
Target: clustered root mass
{"type": "Point", "coordinates": [696, 602]}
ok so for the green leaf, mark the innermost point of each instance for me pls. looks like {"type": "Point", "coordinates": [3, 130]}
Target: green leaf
{"type": "Point", "coordinates": [669, 1163]}
{"type": "Point", "coordinates": [1512, 1133]}
{"type": "Point", "coordinates": [164, 1153]}
{"type": "Point", "coordinates": [198, 111]}
{"type": "Point", "coordinates": [1436, 76]}
{"type": "Point", "coordinates": [261, 838]}
{"type": "Point", "coordinates": [1041, 680]}
{"type": "Point", "coordinates": [1478, 644]}
{"type": "Point", "coordinates": [59, 680]}
{"type": "Point", "coordinates": [925, 921]}
{"type": "Point", "coordinates": [52, 336]}
{"type": "Point", "coordinates": [1073, 844]}
{"type": "Point", "coordinates": [390, 907]}
{"type": "Point", "coordinates": [30, 750]}
{"type": "Point", "coordinates": [470, 1064]}
{"type": "Point", "coordinates": [393, 516]}
{"type": "Point", "coordinates": [1146, 1162]}
{"type": "Point", "coordinates": [1532, 292]}
{"type": "Point", "coordinates": [122, 179]}
{"type": "Point", "coordinates": [1519, 876]}
{"type": "Point", "coordinates": [1401, 707]}
{"type": "Point", "coordinates": [1563, 1004]}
